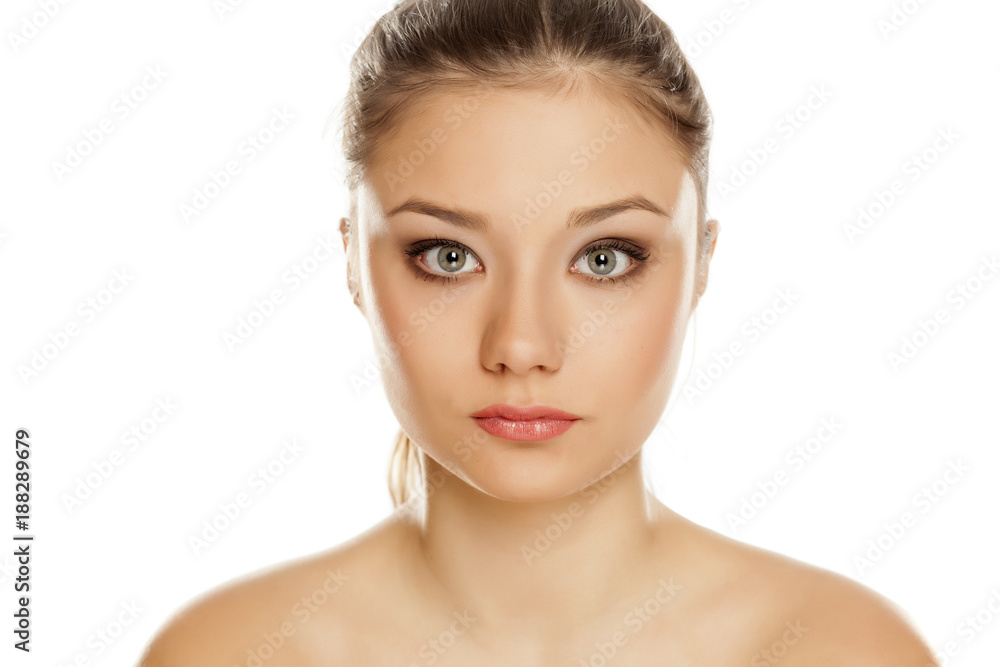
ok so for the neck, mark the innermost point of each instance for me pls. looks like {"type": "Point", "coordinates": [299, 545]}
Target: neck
{"type": "Point", "coordinates": [540, 568]}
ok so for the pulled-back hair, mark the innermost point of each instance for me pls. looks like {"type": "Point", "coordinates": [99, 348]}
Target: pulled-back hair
{"type": "Point", "coordinates": [419, 46]}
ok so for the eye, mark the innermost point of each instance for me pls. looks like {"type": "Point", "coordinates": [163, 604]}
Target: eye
{"type": "Point", "coordinates": [607, 262]}
{"type": "Point", "coordinates": [602, 261]}
{"type": "Point", "coordinates": [610, 260]}
{"type": "Point", "coordinates": [443, 258]}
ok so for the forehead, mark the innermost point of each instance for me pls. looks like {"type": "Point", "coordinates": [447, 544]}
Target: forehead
{"type": "Point", "coordinates": [501, 150]}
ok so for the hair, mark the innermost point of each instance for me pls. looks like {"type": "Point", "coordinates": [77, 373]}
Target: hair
{"type": "Point", "coordinates": [418, 46]}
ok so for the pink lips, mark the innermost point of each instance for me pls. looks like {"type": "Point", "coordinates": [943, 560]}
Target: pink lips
{"type": "Point", "coordinates": [534, 422]}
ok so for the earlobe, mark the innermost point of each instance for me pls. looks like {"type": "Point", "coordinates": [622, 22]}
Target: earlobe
{"type": "Point", "coordinates": [713, 232]}
{"type": "Point", "coordinates": [345, 231]}
{"type": "Point", "coordinates": [701, 279]}
{"type": "Point", "coordinates": [355, 293]}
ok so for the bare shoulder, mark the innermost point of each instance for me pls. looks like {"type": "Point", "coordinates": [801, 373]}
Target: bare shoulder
{"type": "Point", "coordinates": [803, 615]}
{"type": "Point", "coordinates": [303, 612]}
{"type": "Point", "coordinates": [855, 625]}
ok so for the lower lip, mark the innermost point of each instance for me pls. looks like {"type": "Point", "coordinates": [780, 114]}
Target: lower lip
{"type": "Point", "coordinates": [534, 429]}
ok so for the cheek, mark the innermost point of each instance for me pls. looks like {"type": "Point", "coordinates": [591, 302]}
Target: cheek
{"type": "Point", "coordinates": [398, 305]}
{"type": "Point", "coordinates": [417, 329]}
{"type": "Point", "coordinates": [650, 322]}
{"type": "Point", "coordinates": [663, 336]}
{"type": "Point", "coordinates": [633, 369]}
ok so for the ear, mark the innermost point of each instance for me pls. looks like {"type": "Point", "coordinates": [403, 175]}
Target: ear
{"type": "Point", "coordinates": [346, 229]}
{"type": "Point", "coordinates": [713, 232]}
{"type": "Point", "coordinates": [701, 276]}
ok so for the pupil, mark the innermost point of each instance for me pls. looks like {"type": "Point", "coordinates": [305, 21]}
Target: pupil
{"type": "Point", "coordinates": [452, 259]}
{"type": "Point", "coordinates": [602, 262]}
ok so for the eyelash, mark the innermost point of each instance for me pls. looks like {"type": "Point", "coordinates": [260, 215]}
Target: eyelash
{"type": "Point", "coordinates": [638, 255]}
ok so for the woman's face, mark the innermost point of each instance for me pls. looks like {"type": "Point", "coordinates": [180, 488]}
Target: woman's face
{"type": "Point", "coordinates": [498, 285]}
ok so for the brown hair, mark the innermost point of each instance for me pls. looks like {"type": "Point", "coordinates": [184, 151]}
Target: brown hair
{"type": "Point", "coordinates": [437, 45]}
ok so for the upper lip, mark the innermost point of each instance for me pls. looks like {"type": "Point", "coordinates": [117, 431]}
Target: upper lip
{"type": "Point", "coordinates": [526, 413]}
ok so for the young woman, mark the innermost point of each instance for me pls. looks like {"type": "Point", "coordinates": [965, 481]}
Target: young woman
{"type": "Point", "coordinates": [528, 238]}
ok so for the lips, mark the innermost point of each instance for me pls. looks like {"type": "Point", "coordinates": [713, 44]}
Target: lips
{"type": "Point", "coordinates": [527, 413]}
{"type": "Point", "coordinates": [534, 422]}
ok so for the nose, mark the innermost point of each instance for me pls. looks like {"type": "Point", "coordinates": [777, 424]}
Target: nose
{"type": "Point", "coordinates": [523, 331]}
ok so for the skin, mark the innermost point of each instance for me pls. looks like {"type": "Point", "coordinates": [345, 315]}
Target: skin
{"type": "Point", "coordinates": [468, 570]}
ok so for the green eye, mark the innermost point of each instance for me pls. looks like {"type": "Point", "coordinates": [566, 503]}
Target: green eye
{"type": "Point", "coordinates": [602, 259]}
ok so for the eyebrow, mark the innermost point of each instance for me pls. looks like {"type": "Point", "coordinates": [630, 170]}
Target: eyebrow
{"type": "Point", "coordinates": [578, 217]}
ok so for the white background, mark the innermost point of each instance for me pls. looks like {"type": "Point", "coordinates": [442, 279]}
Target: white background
{"type": "Point", "coordinates": [302, 373]}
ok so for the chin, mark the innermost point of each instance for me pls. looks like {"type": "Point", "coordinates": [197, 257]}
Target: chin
{"type": "Point", "coordinates": [527, 474]}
